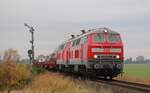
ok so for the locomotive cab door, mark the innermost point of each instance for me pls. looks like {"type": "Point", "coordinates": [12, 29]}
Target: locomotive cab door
{"type": "Point", "coordinates": [83, 48]}
{"type": "Point", "coordinates": [67, 57]}
{"type": "Point", "coordinates": [82, 51]}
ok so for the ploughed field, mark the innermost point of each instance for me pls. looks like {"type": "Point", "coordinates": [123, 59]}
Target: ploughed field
{"type": "Point", "coordinates": [139, 73]}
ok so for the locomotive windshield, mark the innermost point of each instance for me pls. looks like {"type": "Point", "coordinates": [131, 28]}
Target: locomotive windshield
{"type": "Point", "coordinates": [113, 38]}
{"type": "Point", "coordinates": [98, 38]}
{"type": "Point", "coordinates": [106, 38]}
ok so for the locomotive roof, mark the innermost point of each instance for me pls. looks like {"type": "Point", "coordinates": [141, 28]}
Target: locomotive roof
{"type": "Point", "coordinates": [97, 30]}
{"type": "Point", "coordinates": [102, 30]}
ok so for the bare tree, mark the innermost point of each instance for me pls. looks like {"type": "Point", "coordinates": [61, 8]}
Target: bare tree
{"type": "Point", "coordinates": [11, 55]}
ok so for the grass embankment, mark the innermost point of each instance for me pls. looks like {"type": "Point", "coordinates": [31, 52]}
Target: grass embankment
{"type": "Point", "coordinates": [14, 76]}
{"type": "Point", "coordinates": [20, 78]}
{"type": "Point", "coordinates": [56, 83]}
{"type": "Point", "coordinates": [139, 73]}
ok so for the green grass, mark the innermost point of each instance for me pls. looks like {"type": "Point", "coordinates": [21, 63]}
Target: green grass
{"type": "Point", "coordinates": [137, 70]}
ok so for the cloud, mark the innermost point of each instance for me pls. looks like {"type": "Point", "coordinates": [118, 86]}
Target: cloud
{"type": "Point", "coordinates": [134, 52]}
{"type": "Point", "coordinates": [56, 20]}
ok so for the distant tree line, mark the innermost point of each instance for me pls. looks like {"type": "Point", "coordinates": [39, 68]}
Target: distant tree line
{"type": "Point", "coordinates": [138, 60]}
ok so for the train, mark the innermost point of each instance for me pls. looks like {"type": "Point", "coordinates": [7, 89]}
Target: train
{"type": "Point", "coordinates": [95, 52]}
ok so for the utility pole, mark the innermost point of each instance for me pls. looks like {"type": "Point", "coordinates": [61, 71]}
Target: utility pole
{"type": "Point", "coordinates": [31, 51]}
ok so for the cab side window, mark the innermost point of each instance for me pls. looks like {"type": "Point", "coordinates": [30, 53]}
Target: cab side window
{"type": "Point", "coordinates": [76, 42]}
{"type": "Point", "coordinates": [83, 39]}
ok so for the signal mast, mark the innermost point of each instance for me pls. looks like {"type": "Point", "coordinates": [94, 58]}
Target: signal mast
{"type": "Point", "coordinates": [31, 51]}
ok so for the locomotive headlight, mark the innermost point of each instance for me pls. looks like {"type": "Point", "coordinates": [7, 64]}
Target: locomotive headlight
{"type": "Point", "coordinates": [105, 31]}
{"type": "Point", "coordinates": [117, 56]}
{"type": "Point", "coordinates": [95, 56]}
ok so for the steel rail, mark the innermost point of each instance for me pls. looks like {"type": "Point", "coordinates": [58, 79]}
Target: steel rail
{"type": "Point", "coordinates": [125, 84]}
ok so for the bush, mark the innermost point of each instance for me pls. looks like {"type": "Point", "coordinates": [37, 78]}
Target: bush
{"type": "Point", "coordinates": [14, 76]}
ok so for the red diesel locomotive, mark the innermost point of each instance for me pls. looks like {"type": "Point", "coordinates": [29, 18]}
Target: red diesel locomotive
{"type": "Point", "coordinates": [97, 52]}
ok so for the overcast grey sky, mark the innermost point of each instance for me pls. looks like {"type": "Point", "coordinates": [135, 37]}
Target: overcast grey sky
{"type": "Point", "coordinates": [56, 20]}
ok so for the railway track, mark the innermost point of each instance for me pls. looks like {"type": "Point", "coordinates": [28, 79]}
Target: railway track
{"type": "Point", "coordinates": [141, 88]}
{"type": "Point", "coordinates": [127, 85]}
